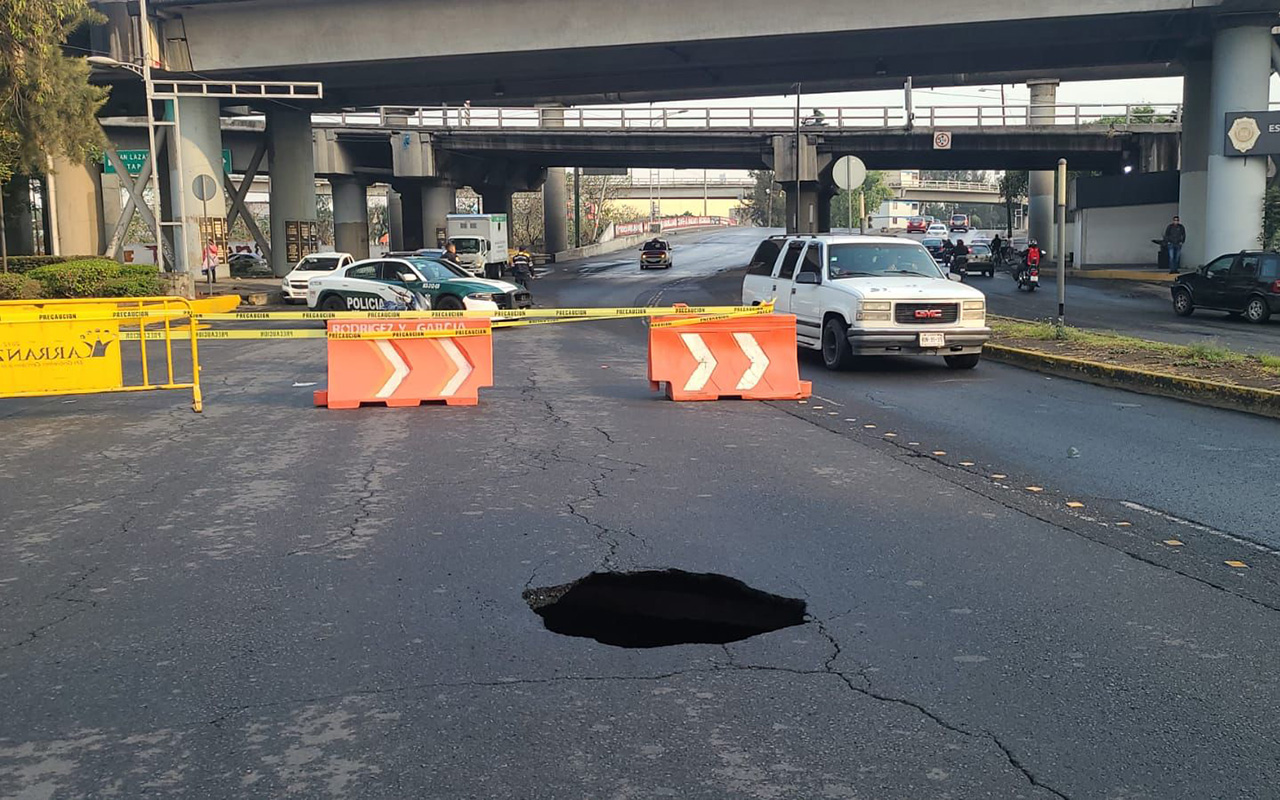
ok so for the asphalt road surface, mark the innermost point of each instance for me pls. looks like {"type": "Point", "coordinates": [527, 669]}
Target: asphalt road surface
{"type": "Point", "coordinates": [273, 600]}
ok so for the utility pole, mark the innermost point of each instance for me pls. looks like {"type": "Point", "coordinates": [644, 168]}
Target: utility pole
{"type": "Point", "coordinates": [1062, 242]}
{"type": "Point", "coordinates": [148, 91]}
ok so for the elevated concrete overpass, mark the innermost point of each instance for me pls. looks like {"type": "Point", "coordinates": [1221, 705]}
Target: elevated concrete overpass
{"type": "Point", "coordinates": [450, 51]}
{"type": "Point", "coordinates": [549, 52]}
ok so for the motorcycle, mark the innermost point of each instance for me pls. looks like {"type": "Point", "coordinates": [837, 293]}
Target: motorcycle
{"type": "Point", "coordinates": [1028, 277]}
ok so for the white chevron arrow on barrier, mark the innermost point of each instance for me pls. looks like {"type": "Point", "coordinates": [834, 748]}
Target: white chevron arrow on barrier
{"type": "Point", "coordinates": [401, 369]}
{"type": "Point", "coordinates": [460, 362]}
{"type": "Point", "coordinates": [706, 362]}
{"type": "Point", "coordinates": [759, 361]}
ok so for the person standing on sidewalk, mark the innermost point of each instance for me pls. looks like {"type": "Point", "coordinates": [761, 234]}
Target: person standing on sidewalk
{"type": "Point", "coordinates": [1174, 237]}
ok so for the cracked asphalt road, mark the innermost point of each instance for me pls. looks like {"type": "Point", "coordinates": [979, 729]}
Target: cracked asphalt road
{"type": "Point", "coordinates": [272, 600]}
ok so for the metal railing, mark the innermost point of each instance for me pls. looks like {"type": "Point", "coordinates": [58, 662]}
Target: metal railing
{"type": "Point", "coordinates": [703, 118]}
{"type": "Point", "coordinates": [957, 186]}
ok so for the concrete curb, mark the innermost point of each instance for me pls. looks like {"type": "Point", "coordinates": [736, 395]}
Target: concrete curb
{"type": "Point", "coordinates": [1262, 402]}
{"type": "Point", "coordinates": [1142, 275]}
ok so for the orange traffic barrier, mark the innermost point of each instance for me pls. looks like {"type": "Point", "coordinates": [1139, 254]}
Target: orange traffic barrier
{"type": "Point", "coordinates": [752, 357]}
{"type": "Point", "coordinates": [405, 362]}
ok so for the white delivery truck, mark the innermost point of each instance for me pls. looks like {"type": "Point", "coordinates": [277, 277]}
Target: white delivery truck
{"type": "Point", "coordinates": [481, 240]}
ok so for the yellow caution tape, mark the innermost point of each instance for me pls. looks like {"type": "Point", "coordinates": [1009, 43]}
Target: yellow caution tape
{"type": "Point", "coordinates": [133, 315]}
{"type": "Point", "coordinates": [294, 333]}
{"type": "Point", "coordinates": [501, 315]}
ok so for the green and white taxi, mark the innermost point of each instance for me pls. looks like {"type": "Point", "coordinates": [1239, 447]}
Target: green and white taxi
{"type": "Point", "coordinates": [411, 283]}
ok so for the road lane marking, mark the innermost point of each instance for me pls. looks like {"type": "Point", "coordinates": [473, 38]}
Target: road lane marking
{"type": "Point", "coordinates": [1236, 564]}
{"type": "Point", "coordinates": [1196, 526]}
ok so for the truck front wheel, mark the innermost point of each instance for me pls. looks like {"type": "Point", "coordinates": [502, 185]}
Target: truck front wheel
{"type": "Point", "coordinates": [836, 353]}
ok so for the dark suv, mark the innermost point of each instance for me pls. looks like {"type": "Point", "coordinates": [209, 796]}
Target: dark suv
{"type": "Point", "coordinates": [1245, 283]}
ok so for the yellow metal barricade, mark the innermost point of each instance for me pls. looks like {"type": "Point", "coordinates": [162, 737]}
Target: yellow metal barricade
{"type": "Point", "coordinates": [57, 347]}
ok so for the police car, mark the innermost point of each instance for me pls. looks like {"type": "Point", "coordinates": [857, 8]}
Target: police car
{"type": "Point", "coordinates": [411, 283]}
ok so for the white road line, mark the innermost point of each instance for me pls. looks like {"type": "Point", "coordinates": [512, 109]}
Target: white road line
{"type": "Point", "coordinates": [1202, 528]}
{"type": "Point", "coordinates": [759, 361]}
{"type": "Point", "coordinates": [825, 400]}
{"type": "Point", "coordinates": [706, 362]}
{"type": "Point", "coordinates": [460, 362]}
{"type": "Point", "coordinates": [401, 369]}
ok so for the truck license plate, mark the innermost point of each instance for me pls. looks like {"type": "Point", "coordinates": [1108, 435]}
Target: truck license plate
{"type": "Point", "coordinates": [933, 340]}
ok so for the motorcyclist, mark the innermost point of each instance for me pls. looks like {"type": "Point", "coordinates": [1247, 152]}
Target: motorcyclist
{"type": "Point", "coordinates": [522, 266]}
{"type": "Point", "coordinates": [959, 256]}
{"type": "Point", "coordinates": [1030, 259]}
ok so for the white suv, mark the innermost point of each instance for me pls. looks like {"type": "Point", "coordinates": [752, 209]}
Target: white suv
{"type": "Point", "coordinates": [868, 295]}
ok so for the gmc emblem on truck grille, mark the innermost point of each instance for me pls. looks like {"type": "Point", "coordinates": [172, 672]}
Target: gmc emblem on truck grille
{"type": "Point", "coordinates": [928, 313]}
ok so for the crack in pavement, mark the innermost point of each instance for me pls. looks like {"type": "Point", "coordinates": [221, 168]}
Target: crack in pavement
{"type": "Point", "coordinates": [363, 506]}
{"type": "Point", "coordinates": [60, 596]}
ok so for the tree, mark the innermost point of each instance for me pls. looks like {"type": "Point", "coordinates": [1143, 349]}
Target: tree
{"type": "Point", "coordinates": [526, 220]}
{"type": "Point", "coordinates": [873, 188]}
{"type": "Point", "coordinates": [1271, 218]}
{"type": "Point", "coordinates": [1138, 115]}
{"type": "Point", "coordinates": [766, 206]}
{"type": "Point", "coordinates": [1013, 190]}
{"type": "Point", "coordinates": [598, 193]}
{"type": "Point", "coordinates": [47, 105]}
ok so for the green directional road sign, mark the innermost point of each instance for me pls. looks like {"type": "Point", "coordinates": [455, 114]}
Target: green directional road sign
{"type": "Point", "coordinates": [134, 159]}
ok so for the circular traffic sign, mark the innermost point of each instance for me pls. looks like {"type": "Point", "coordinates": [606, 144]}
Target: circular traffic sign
{"type": "Point", "coordinates": [942, 140]}
{"type": "Point", "coordinates": [849, 172]}
{"type": "Point", "coordinates": [204, 187]}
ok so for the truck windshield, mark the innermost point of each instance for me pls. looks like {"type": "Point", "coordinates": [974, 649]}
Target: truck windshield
{"type": "Point", "coordinates": [862, 260]}
{"type": "Point", "coordinates": [319, 263]}
{"type": "Point", "coordinates": [467, 246]}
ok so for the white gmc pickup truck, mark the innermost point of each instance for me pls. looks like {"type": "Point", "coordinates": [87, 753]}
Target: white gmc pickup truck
{"type": "Point", "coordinates": [868, 295]}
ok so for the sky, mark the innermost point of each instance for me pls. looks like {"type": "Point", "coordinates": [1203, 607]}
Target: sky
{"type": "Point", "coordinates": [1131, 91]}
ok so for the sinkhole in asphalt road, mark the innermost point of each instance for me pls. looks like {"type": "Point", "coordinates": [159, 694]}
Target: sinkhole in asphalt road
{"type": "Point", "coordinates": [658, 608]}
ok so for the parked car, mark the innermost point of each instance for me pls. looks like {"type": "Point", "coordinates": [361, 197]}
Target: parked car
{"type": "Point", "coordinates": [937, 229]}
{"type": "Point", "coordinates": [934, 245]}
{"type": "Point", "coordinates": [1245, 283]}
{"type": "Point", "coordinates": [959, 222]}
{"type": "Point", "coordinates": [315, 265]}
{"type": "Point", "coordinates": [917, 225]}
{"type": "Point", "coordinates": [248, 265]}
{"type": "Point", "coordinates": [868, 296]}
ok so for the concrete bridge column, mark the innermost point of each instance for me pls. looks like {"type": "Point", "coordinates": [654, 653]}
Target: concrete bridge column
{"type": "Point", "coordinates": [555, 196]}
{"type": "Point", "coordinates": [199, 153]}
{"type": "Point", "coordinates": [78, 207]}
{"type": "Point", "coordinates": [1044, 103]}
{"type": "Point", "coordinates": [293, 179]}
{"type": "Point", "coordinates": [395, 220]}
{"type": "Point", "coordinates": [1193, 183]}
{"type": "Point", "coordinates": [350, 217]}
{"type": "Point", "coordinates": [815, 207]}
{"type": "Point", "coordinates": [1240, 79]}
{"type": "Point", "coordinates": [411, 192]}
{"type": "Point", "coordinates": [439, 200]}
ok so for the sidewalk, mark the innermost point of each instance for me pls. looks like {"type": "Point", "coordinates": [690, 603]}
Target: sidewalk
{"type": "Point", "coordinates": [1117, 273]}
{"type": "Point", "coordinates": [252, 291]}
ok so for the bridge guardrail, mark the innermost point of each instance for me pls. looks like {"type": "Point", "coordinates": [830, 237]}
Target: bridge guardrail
{"type": "Point", "coordinates": [816, 118]}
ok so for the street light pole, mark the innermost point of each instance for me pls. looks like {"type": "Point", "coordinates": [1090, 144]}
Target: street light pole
{"type": "Point", "coordinates": [1062, 242]}
{"type": "Point", "coordinates": [797, 157]}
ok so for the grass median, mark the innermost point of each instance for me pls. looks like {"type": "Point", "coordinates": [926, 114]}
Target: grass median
{"type": "Point", "coordinates": [1204, 361]}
